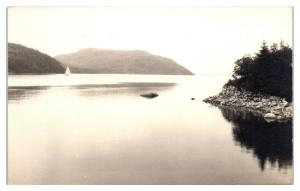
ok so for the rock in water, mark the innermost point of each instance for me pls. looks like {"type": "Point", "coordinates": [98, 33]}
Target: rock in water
{"type": "Point", "coordinates": [270, 116]}
{"type": "Point", "coordinates": [149, 95]}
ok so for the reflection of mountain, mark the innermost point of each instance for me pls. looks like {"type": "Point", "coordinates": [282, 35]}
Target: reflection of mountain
{"type": "Point", "coordinates": [132, 89]}
{"type": "Point", "coordinates": [20, 93]}
{"type": "Point", "coordinates": [270, 142]}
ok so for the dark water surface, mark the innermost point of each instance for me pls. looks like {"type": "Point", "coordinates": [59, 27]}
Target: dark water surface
{"type": "Point", "coordinates": [97, 129]}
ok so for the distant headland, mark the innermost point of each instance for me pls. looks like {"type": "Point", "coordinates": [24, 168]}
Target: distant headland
{"type": "Point", "coordinates": [93, 60]}
{"type": "Point", "coordinates": [24, 60]}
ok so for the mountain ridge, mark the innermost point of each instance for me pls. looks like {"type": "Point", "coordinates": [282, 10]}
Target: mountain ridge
{"type": "Point", "coordinates": [95, 60]}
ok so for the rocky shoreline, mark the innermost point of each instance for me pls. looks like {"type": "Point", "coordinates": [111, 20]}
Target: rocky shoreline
{"type": "Point", "coordinates": [272, 108]}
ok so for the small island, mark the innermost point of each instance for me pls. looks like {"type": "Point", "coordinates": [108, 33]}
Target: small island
{"type": "Point", "coordinates": [261, 84]}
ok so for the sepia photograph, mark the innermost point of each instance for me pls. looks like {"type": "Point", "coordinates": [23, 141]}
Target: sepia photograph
{"type": "Point", "coordinates": [150, 95]}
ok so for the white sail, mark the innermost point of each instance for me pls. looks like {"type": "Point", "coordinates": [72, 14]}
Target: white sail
{"type": "Point", "coordinates": [68, 72]}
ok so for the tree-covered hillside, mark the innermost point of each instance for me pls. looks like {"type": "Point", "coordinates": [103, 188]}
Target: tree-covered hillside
{"type": "Point", "coordinates": [104, 61]}
{"type": "Point", "coordinates": [24, 60]}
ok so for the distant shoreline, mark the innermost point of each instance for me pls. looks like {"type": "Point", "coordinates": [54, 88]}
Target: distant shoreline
{"type": "Point", "coordinates": [100, 73]}
{"type": "Point", "coordinates": [116, 85]}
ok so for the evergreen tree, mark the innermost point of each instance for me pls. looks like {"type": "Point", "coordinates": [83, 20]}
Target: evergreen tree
{"type": "Point", "coordinates": [269, 72]}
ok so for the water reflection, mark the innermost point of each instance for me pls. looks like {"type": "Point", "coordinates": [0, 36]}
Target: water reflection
{"type": "Point", "coordinates": [270, 142]}
{"type": "Point", "coordinates": [26, 92]}
{"type": "Point", "coordinates": [18, 93]}
{"type": "Point", "coordinates": [122, 88]}
{"type": "Point", "coordinates": [104, 132]}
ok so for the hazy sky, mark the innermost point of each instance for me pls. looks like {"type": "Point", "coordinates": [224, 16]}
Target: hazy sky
{"type": "Point", "coordinates": [203, 39]}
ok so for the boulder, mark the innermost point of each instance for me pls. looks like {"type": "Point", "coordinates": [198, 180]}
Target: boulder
{"type": "Point", "coordinates": [270, 116]}
{"type": "Point", "coordinates": [279, 117]}
{"type": "Point", "coordinates": [256, 99]}
{"type": "Point", "coordinates": [276, 112]}
{"type": "Point", "coordinates": [258, 106]}
{"type": "Point", "coordinates": [285, 103]}
{"type": "Point", "coordinates": [277, 108]}
{"type": "Point", "coordinates": [149, 95]}
{"type": "Point", "coordinates": [289, 109]}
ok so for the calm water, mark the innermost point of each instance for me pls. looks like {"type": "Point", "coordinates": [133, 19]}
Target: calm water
{"type": "Point", "coordinates": [96, 129]}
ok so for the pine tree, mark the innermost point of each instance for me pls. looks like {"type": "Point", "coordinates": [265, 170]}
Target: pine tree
{"type": "Point", "coordinates": [269, 72]}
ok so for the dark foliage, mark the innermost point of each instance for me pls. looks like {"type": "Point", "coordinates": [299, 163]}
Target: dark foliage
{"type": "Point", "coordinates": [23, 60]}
{"type": "Point", "coordinates": [268, 72]}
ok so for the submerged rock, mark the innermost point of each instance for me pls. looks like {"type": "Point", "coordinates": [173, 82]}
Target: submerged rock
{"type": "Point", "coordinates": [149, 95]}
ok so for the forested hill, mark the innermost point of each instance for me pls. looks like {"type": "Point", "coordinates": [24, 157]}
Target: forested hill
{"type": "Point", "coordinates": [24, 60]}
{"type": "Point", "coordinates": [104, 61]}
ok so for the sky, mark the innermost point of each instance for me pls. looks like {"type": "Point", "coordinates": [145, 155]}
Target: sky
{"type": "Point", "coordinates": [205, 40]}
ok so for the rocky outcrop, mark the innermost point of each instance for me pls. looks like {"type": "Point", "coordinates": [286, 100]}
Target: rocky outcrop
{"type": "Point", "coordinates": [270, 107]}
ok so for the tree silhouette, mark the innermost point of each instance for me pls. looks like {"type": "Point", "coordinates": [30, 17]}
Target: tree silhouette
{"type": "Point", "coordinates": [270, 142]}
{"type": "Point", "coordinates": [268, 72]}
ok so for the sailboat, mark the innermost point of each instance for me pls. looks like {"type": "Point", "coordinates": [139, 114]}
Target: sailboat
{"type": "Point", "coordinates": [68, 72]}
